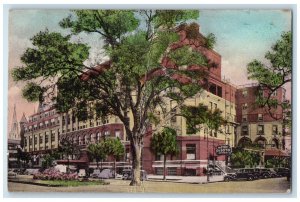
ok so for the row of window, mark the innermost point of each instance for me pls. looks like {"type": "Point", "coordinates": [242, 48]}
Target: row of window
{"type": "Point", "coordinates": [260, 130]}
{"type": "Point", "coordinates": [28, 141]}
{"type": "Point", "coordinates": [42, 115]}
{"type": "Point", "coordinates": [259, 117]}
{"type": "Point", "coordinates": [190, 153]}
{"type": "Point", "coordinates": [42, 125]}
{"type": "Point", "coordinates": [245, 93]}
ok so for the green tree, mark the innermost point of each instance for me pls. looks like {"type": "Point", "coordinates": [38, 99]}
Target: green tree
{"type": "Point", "coordinates": [143, 71]}
{"type": "Point", "coordinates": [47, 161]}
{"type": "Point", "coordinates": [164, 143]}
{"type": "Point", "coordinates": [97, 151]}
{"type": "Point", "coordinates": [114, 148]}
{"type": "Point", "coordinates": [274, 74]}
{"type": "Point", "coordinates": [241, 158]}
{"type": "Point", "coordinates": [200, 116]}
{"type": "Point", "coordinates": [68, 149]}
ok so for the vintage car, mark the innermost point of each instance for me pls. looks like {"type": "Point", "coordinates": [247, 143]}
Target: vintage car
{"type": "Point", "coordinates": [127, 175]}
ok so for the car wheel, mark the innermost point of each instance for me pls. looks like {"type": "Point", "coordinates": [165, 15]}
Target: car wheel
{"type": "Point", "coordinates": [226, 179]}
{"type": "Point", "coordinates": [250, 178]}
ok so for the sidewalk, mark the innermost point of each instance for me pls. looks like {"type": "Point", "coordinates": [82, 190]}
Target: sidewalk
{"type": "Point", "coordinates": [187, 179]}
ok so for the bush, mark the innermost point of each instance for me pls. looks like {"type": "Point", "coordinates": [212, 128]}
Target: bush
{"type": "Point", "coordinates": [53, 174]}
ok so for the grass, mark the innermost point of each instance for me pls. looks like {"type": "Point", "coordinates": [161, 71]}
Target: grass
{"type": "Point", "coordinates": [72, 183]}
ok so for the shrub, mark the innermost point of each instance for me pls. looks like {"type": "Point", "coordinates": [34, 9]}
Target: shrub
{"type": "Point", "coordinates": [53, 174]}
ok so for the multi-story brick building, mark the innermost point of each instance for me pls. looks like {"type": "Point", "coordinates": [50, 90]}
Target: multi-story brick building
{"type": "Point", "coordinates": [259, 125]}
{"type": "Point", "coordinates": [46, 127]}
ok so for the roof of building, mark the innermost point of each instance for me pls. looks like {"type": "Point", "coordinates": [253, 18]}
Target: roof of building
{"type": "Point", "coordinates": [23, 119]}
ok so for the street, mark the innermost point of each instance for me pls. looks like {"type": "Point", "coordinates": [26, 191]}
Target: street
{"type": "Point", "coordinates": [274, 185]}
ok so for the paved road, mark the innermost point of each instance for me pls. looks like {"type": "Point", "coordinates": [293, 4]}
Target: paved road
{"type": "Point", "coordinates": [276, 185]}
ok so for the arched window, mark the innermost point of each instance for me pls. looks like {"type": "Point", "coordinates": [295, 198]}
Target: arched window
{"type": "Point", "coordinates": [245, 141]}
{"type": "Point", "coordinates": [98, 136]}
{"type": "Point", "coordinates": [261, 141]}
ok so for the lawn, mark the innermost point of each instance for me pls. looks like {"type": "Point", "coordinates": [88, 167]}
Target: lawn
{"type": "Point", "coordinates": [72, 183]}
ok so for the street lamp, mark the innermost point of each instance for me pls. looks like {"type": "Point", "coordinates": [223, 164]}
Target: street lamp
{"type": "Point", "coordinates": [207, 155]}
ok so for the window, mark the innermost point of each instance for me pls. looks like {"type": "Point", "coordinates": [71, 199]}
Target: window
{"type": "Point", "coordinates": [98, 136]}
{"type": "Point", "coordinates": [46, 138]}
{"type": "Point", "coordinates": [244, 130]}
{"type": "Point", "coordinates": [260, 129]}
{"type": "Point", "coordinates": [35, 140]}
{"type": "Point", "coordinates": [275, 129]}
{"type": "Point", "coordinates": [41, 139]}
{"type": "Point", "coordinates": [219, 91]}
{"type": "Point", "coordinates": [213, 88]}
{"type": "Point", "coordinates": [173, 117]}
{"type": "Point", "coordinates": [172, 171]}
{"type": "Point", "coordinates": [91, 123]}
{"type": "Point", "coordinates": [106, 133]}
{"type": "Point", "coordinates": [190, 151]}
{"type": "Point", "coordinates": [159, 157]}
{"type": "Point", "coordinates": [274, 94]}
{"type": "Point", "coordinates": [244, 118]}
{"type": "Point", "coordinates": [245, 93]}
{"type": "Point", "coordinates": [118, 133]}
{"type": "Point", "coordinates": [259, 117]}
{"type": "Point", "coordinates": [159, 171]}
{"type": "Point", "coordinates": [216, 106]}
{"type": "Point", "coordinates": [245, 106]}
{"type": "Point", "coordinates": [52, 137]}
{"type": "Point", "coordinates": [211, 105]}
{"type": "Point", "coordinates": [215, 134]}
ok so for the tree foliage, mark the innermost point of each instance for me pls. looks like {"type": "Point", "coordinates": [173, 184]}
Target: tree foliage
{"type": "Point", "coordinates": [97, 151]}
{"type": "Point", "coordinates": [134, 79]}
{"type": "Point", "coordinates": [164, 143]}
{"type": "Point", "coordinates": [241, 158]}
{"type": "Point", "coordinates": [274, 74]}
{"type": "Point", "coordinates": [200, 116]}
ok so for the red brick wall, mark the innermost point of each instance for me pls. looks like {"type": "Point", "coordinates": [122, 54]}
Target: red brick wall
{"type": "Point", "coordinates": [253, 110]}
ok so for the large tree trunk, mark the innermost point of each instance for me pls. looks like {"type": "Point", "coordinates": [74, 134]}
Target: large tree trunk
{"type": "Point", "coordinates": [136, 151]}
{"type": "Point", "coordinates": [164, 171]}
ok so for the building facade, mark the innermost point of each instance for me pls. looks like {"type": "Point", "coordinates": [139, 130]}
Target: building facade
{"type": "Point", "coordinates": [259, 125]}
{"type": "Point", "coordinates": [245, 122]}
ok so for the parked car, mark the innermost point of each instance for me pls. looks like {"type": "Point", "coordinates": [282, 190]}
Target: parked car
{"type": "Point", "coordinates": [106, 174]}
{"type": "Point", "coordinates": [266, 173]}
{"type": "Point", "coordinates": [273, 172]}
{"type": "Point", "coordinates": [282, 172]}
{"type": "Point", "coordinates": [245, 174]}
{"type": "Point", "coordinates": [81, 173]}
{"type": "Point", "coordinates": [95, 173]}
{"type": "Point", "coordinates": [127, 175]}
{"type": "Point", "coordinates": [31, 171]}
{"type": "Point", "coordinates": [229, 176]}
{"type": "Point", "coordinates": [11, 174]}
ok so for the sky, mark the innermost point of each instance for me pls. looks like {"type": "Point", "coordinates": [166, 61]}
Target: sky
{"type": "Point", "coordinates": [242, 35]}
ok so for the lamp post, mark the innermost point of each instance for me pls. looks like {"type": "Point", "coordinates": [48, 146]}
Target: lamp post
{"type": "Point", "coordinates": [207, 164]}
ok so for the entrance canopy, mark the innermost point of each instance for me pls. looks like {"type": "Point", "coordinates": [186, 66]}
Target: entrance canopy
{"type": "Point", "coordinates": [276, 152]}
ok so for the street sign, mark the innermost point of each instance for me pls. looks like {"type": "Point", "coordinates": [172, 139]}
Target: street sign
{"type": "Point", "coordinates": [223, 150]}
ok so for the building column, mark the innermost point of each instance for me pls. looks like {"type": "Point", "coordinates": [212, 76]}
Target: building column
{"type": "Point", "coordinates": [38, 141]}
{"type": "Point", "coordinates": [56, 139]}
{"type": "Point", "coordinates": [44, 142]}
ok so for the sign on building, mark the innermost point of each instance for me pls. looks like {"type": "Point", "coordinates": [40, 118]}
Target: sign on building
{"type": "Point", "coordinates": [223, 150]}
